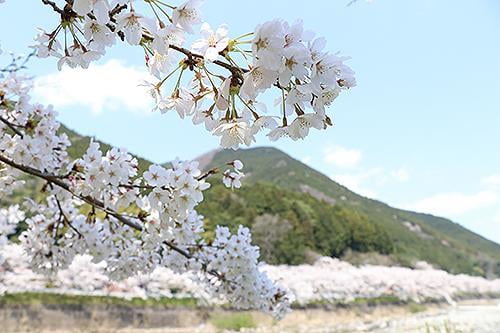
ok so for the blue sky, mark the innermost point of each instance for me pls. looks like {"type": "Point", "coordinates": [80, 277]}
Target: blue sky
{"type": "Point", "coordinates": [421, 130]}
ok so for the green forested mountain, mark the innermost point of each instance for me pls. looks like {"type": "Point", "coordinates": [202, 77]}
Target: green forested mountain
{"type": "Point", "coordinates": [297, 213]}
{"type": "Point", "coordinates": [330, 219]}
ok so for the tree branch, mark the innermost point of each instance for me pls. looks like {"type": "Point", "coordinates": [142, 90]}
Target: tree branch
{"type": "Point", "coordinates": [208, 174]}
{"type": "Point", "coordinates": [65, 219]}
{"type": "Point", "coordinates": [191, 55]}
{"type": "Point", "coordinates": [116, 10]}
{"type": "Point", "coordinates": [11, 126]}
{"type": "Point", "coordinates": [56, 180]}
{"type": "Point", "coordinates": [53, 5]}
{"type": "Point", "coordinates": [235, 70]}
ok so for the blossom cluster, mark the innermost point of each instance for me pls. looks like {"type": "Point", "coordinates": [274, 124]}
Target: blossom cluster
{"type": "Point", "coordinates": [220, 81]}
{"type": "Point", "coordinates": [326, 281]}
{"type": "Point", "coordinates": [130, 221]}
{"type": "Point", "coordinates": [9, 218]}
{"type": "Point", "coordinates": [28, 133]}
{"type": "Point", "coordinates": [134, 221]}
{"type": "Point", "coordinates": [257, 287]}
{"type": "Point", "coordinates": [331, 280]}
{"type": "Point", "coordinates": [232, 179]}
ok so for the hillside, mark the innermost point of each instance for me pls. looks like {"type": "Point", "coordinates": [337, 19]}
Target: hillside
{"type": "Point", "coordinates": [297, 213]}
{"type": "Point", "coordinates": [414, 236]}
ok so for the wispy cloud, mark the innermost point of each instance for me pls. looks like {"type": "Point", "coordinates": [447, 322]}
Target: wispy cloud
{"type": "Point", "coordinates": [366, 181]}
{"type": "Point", "coordinates": [350, 171]}
{"type": "Point", "coordinates": [493, 180]}
{"type": "Point", "coordinates": [342, 157]}
{"type": "Point", "coordinates": [306, 159]}
{"type": "Point", "coordinates": [106, 87]}
{"type": "Point", "coordinates": [454, 204]}
{"type": "Point", "coordinates": [401, 175]}
{"type": "Point", "coordinates": [357, 182]}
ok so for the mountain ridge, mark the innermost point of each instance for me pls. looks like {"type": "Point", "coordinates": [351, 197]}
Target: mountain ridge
{"type": "Point", "coordinates": [430, 226]}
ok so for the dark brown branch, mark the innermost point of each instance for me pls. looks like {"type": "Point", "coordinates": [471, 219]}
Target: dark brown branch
{"type": "Point", "coordinates": [191, 55]}
{"type": "Point", "coordinates": [178, 250]}
{"type": "Point", "coordinates": [65, 219]}
{"type": "Point", "coordinates": [56, 180]}
{"type": "Point", "coordinates": [186, 254]}
{"type": "Point", "coordinates": [53, 5]}
{"type": "Point", "coordinates": [116, 11]}
{"type": "Point", "coordinates": [11, 126]}
{"type": "Point", "coordinates": [68, 12]}
{"type": "Point", "coordinates": [208, 174]}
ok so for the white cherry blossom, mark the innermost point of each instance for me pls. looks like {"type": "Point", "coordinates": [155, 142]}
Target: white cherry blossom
{"type": "Point", "coordinates": [233, 134]}
{"type": "Point", "coordinates": [129, 23]}
{"type": "Point", "coordinates": [212, 42]}
{"type": "Point", "coordinates": [187, 15]}
{"type": "Point", "coordinates": [100, 9]}
{"type": "Point", "coordinates": [219, 81]}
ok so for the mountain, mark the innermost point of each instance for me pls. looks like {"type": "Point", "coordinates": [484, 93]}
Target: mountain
{"type": "Point", "coordinates": [296, 213]}
{"type": "Point", "coordinates": [411, 236]}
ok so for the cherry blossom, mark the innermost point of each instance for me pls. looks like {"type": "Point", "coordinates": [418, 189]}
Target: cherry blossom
{"type": "Point", "coordinates": [129, 23]}
{"type": "Point", "coordinates": [100, 9]}
{"type": "Point", "coordinates": [212, 42]}
{"type": "Point", "coordinates": [326, 281]}
{"type": "Point", "coordinates": [232, 179]}
{"type": "Point", "coordinates": [220, 80]}
{"type": "Point", "coordinates": [187, 14]}
{"type": "Point", "coordinates": [130, 222]}
{"type": "Point", "coordinates": [9, 218]}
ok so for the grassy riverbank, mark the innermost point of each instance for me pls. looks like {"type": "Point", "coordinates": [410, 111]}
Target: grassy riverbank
{"type": "Point", "coordinates": [42, 298]}
{"type": "Point", "coordinates": [50, 312]}
{"type": "Point", "coordinates": [47, 298]}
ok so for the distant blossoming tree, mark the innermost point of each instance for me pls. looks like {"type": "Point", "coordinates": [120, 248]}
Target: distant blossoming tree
{"type": "Point", "coordinates": [99, 204]}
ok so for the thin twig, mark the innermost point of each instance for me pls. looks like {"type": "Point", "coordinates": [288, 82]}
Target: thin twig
{"type": "Point", "coordinates": [11, 126]}
{"type": "Point", "coordinates": [208, 173]}
{"type": "Point", "coordinates": [65, 218]}
{"type": "Point", "coordinates": [191, 55]}
{"type": "Point", "coordinates": [53, 5]}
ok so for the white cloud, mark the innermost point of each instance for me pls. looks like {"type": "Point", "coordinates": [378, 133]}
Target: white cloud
{"type": "Point", "coordinates": [343, 157]}
{"type": "Point", "coordinates": [110, 86]}
{"type": "Point", "coordinates": [454, 204]}
{"type": "Point", "coordinates": [366, 181]}
{"type": "Point", "coordinates": [401, 175]}
{"type": "Point", "coordinates": [357, 182]}
{"type": "Point", "coordinates": [306, 159]}
{"type": "Point", "coordinates": [493, 180]}
{"type": "Point", "coordinates": [354, 182]}
{"type": "Point", "coordinates": [496, 219]}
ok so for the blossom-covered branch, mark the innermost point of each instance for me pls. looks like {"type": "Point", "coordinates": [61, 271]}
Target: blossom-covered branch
{"type": "Point", "coordinates": [194, 80]}
{"type": "Point", "coordinates": [102, 206]}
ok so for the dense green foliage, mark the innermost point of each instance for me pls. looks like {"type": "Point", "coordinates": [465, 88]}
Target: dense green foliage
{"type": "Point", "coordinates": [440, 242]}
{"type": "Point", "coordinates": [286, 224]}
{"type": "Point", "coordinates": [295, 212]}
